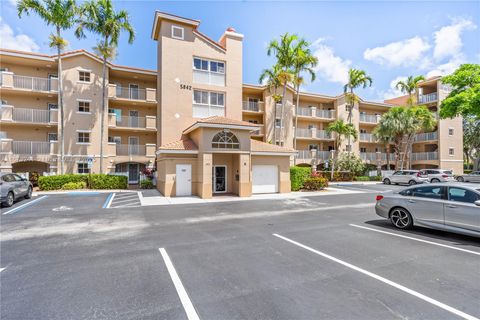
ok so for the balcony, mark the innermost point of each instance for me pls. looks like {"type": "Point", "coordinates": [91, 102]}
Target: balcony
{"type": "Point", "coordinates": [424, 156]}
{"type": "Point", "coordinates": [325, 114]}
{"type": "Point", "coordinates": [322, 134]}
{"type": "Point", "coordinates": [313, 154]}
{"type": "Point", "coordinates": [131, 150]}
{"type": "Point", "coordinates": [259, 132]}
{"type": "Point", "coordinates": [305, 112]}
{"type": "Point", "coordinates": [26, 115]}
{"type": "Point", "coordinates": [32, 148]}
{"type": "Point", "coordinates": [313, 133]}
{"type": "Point", "coordinates": [427, 136]}
{"type": "Point", "coordinates": [10, 80]}
{"type": "Point", "coordinates": [253, 106]}
{"type": "Point", "coordinates": [132, 94]}
{"type": "Point", "coordinates": [367, 137]}
{"type": "Point", "coordinates": [369, 118]}
{"type": "Point", "coordinates": [374, 156]}
{"type": "Point", "coordinates": [128, 122]}
{"type": "Point", "coordinates": [427, 98]}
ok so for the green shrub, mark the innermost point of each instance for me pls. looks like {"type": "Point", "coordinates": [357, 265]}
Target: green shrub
{"type": "Point", "coordinates": [315, 183]}
{"type": "Point", "coordinates": [74, 185]}
{"type": "Point", "coordinates": [106, 181]}
{"type": "Point", "coordinates": [467, 171]}
{"type": "Point", "coordinates": [376, 178]}
{"type": "Point", "coordinates": [56, 182]}
{"type": "Point", "coordinates": [297, 177]}
{"type": "Point", "coordinates": [362, 178]}
{"type": "Point", "coordinates": [350, 162]}
{"type": "Point", "coordinates": [146, 184]}
{"type": "Point", "coordinates": [33, 177]}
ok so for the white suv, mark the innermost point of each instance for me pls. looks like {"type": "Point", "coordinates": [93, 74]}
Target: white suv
{"type": "Point", "coordinates": [410, 177]}
{"type": "Point", "coordinates": [438, 175]}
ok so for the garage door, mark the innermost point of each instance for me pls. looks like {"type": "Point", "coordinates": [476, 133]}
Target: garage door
{"type": "Point", "coordinates": [265, 179]}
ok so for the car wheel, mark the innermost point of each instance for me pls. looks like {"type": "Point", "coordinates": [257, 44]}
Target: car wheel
{"type": "Point", "coordinates": [412, 182]}
{"type": "Point", "coordinates": [434, 180]}
{"type": "Point", "coordinates": [386, 181]}
{"type": "Point", "coordinates": [10, 199]}
{"type": "Point", "coordinates": [401, 218]}
{"type": "Point", "coordinates": [460, 179]}
{"type": "Point", "coordinates": [29, 193]}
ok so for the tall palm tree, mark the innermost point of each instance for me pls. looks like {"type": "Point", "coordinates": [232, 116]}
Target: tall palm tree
{"type": "Point", "coordinates": [384, 134]}
{"type": "Point", "coordinates": [356, 78]}
{"type": "Point", "coordinates": [418, 119]}
{"type": "Point", "coordinates": [271, 77]}
{"type": "Point", "coordinates": [304, 62]}
{"type": "Point", "coordinates": [61, 15]}
{"type": "Point", "coordinates": [100, 17]}
{"type": "Point", "coordinates": [284, 52]}
{"type": "Point", "coordinates": [340, 129]}
{"type": "Point", "coordinates": [410, 87]}
{"type": "Point", "coordinates": [394, 121]}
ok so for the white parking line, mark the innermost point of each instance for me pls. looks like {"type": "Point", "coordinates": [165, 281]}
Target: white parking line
{"type": "Point", "coordinates": [416, 239]}
{"type": "Point", "coordinates": [121, 200]}
{"type": "Point", "coordinates": [382, 279]}
{"type": "Point", "coordinates": [24, 205]}
{"type": "Point", "coordinates": [182, 293]}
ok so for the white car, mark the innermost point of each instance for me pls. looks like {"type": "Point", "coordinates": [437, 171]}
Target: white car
{"type": "Point", "coordinates": [470, 177]}
{"type": "Point", "coordinates": [438, 175]}
{"type": "Point", "coordinates": [409, 177]}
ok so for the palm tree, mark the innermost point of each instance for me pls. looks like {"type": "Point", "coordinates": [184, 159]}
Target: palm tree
{"type": "Point", "coordinates": [100, 17]}
{"type": "Point", "coordinates": [304, 61]}
{"type": "Point", "coordinates": [418, 119]}
{"type": "Point", "coordinates": [384, 134]}
{"type": "Point", "coordinates": [340, 130]}
{"type": "Point", "coordinates": [61, 15]}
{"type": "Point", "coordinates": [284, 51]}
{"type": "Point", "coordinates": [356, 78]}
{"type": "Point", "coordinates": [271, 76]}
{"type": "Point", "coordinates": [410, 87]}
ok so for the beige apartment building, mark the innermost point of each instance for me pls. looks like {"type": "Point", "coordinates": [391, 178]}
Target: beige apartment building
{"type": "Point", "coordinates": [192, 119]}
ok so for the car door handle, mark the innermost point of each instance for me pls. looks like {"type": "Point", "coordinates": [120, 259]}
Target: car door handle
{"type": "Point", "coordinates": [451, 206]}
{"type": "Point", "coordinates": [411, 201]}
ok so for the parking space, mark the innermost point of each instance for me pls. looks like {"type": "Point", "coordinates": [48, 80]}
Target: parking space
{"type": "Point", "coordinates": [325, 257]}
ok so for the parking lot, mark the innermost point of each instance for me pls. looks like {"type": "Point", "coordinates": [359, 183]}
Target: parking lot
{"type": "Point", "coordinates": [323, 257]}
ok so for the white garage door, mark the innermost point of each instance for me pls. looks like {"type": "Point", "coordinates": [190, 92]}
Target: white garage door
{"type": "Point", "coordinates": [265, 179]}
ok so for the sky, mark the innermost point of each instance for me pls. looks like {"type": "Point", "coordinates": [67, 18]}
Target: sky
{"type": "Point", "coordinates": [390, 40]}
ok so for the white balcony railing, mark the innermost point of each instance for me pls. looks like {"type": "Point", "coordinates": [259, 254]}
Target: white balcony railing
{"type": "Point", "coordinates": [31, 147]}
{"type": "Point", "coordinates": [35, 84]}
{"type": "Point", "coordinates": [418, 156]}
{"type": "Point", "coordinates": [131, 93]}
{"type": "Point", "coordinates": [326, 114]}
{"type": "Point", "coordinates": [259, 131]}
{"type": "Point", "coordinates": [372, 156]}
{"type": "Point", "coordinates": [304, 133]}
{"type": "Point", "coordinates": [367, 137]}
{"type": "Point", "coordinates": [369, 118]}
{"type": "Point", "coordinates": [130, 149]}
{"type": "Point", "coordinates": [309, 154]}
{"type": "Point", "coordinates": [255, 106]}
{"type": "Point", "coordinates": [322, 134]}
{"type": "Point", "coordinates": [31, 115]}
{"type": "Point", "coordinates": [427, 136]}
{"type": "Point", "coordinates": [425, 98]}
{"type": "Point", "coordinates": [306, 112]}
{"type": "Point", "coordinates": [131, 122]}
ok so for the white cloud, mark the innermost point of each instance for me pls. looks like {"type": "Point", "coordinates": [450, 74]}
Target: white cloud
{"type": "Point", "coordinates": [448, 67]}
{"type": "Point", "coordinates": [330, 67]}
{"type": "Point", "coordinates": [448, 41]}
{"type": "Point", "coordinates": [400, 53]}
{"type": "Point", "coordinates": [393, 92]}
{"type": "Point", "coordinates": [8, 39]}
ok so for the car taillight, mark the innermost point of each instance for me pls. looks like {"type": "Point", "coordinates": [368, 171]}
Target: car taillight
{"type": "Point", "coordinates": [444, 175]}
{"type": "Point", "coordinates": [379, 197]}
{"type": "Point", "coordinates": [419, 174]}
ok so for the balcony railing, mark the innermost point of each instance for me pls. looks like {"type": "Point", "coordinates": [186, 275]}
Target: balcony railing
{"type": "Point", "coordinates": [418, 156]}
{"type": "Point", "coordinates": [255, 106]}
{"type": "Point", "coordinates": [131, 122]}
{"type": "Point", "coordinates": [130, 150]}
{"type": "Point", "coordinates": [306, 112]}
{"type": "Point", "coordinates": [31, 147]}
{"type": "Point", "coordinates": [367, 137]}
{"type": "Point", "coordinates": [35, 84]}
{"type": "Point", "coordinates": [130, 93]}
{"type": "Point", "coordinates": [304, 133]}
{"type": "Point", "coordinates": [369, 118]}
{"type": "Point", "coordinates": [426, 98]}
{"type": "Point", "coordinates": [427, 136]}
{"type": "Point", "coordinates": [259, 131]}
{"type": "Point", "coordinates": [372, 156]}
{"type": "Point", "coordinates": [322, 134]}
{"type": "Point", "coordinates": [32, 115]}
{"type": "Point", "coordinates": [310, 154]}
{"type": "Point", "coordinates": [326, 114]}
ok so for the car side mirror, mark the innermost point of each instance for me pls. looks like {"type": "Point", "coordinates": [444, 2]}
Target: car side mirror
{"type": "Point", "coordinates": [24, 179]}
{"type": "Point", "coordinates": [477, 203]}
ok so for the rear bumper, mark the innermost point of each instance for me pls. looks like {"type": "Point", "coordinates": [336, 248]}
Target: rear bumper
{"type": "Point", "coordinates": [381, 210]}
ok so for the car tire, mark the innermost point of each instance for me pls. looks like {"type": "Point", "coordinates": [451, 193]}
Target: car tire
{"type": "Point", "coordinates": [412, 182]}
{"type": "Point", "coordinates": [434, 180]}
{"type": "Point", "coordinates": [386, 181]}
{"type": "Point", "coordinates": [401, 218]}
{"type": "Point", "coordinates": [10, 199]}
{"type": "Point", "coordinates": [29, 193]}
{"type": "Point", "coordinates": [460, 179]}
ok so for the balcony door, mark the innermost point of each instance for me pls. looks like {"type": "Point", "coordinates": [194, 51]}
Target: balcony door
{"type": "Point", "coordinates": [133, 145]}
{"type": "Point", "coordinates": [50, 78]}
{"type": "Point", "coordinates": [133, 91]}
{"type": "Point", "coordinates": [133, 119]}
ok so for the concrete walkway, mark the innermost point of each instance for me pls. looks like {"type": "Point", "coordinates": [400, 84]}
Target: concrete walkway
{"type": "Point", "coordinates": [148, 197]}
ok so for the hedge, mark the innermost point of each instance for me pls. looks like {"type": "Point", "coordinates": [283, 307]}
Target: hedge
{"type": "Point", "coordinates": [74, 185]}
{"type": "Point", "coordinates": [298, 175]}
{"type": "Point", "coordinates": [315, 183]}
{"type": "Point", "coordinates": [367, 178]}
{"type": "Point", "coordinates": [146, 184]}
{"type": "Point", "coordinates": [91, 181]}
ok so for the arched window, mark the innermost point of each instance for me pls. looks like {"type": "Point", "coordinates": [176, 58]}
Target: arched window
{"type": "Point", "coordinates": [225, 140]}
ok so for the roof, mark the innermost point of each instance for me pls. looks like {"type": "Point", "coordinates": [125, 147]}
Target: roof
{"type": "Point", "coordinates": [180, 145]}
{"type": "Point", "coordinates": [168, 16]}
{"type": "Point", "coordinates": [221, 122]}
{"type": "Point", "coordinates": [399, 101]}
{"type": "Point", "coordinates": [259, 146]}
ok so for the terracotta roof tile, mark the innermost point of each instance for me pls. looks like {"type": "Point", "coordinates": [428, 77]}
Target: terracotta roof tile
{"type": "Point", "coordinates": [184, 144]}
{"type": "Point", "coordinates": [259, 146]}
{"type": "Point", "coordinates": [228, 121]}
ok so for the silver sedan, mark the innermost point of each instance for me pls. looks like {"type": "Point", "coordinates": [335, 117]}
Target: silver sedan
{"type": "Point", "coordinates": [447, 206]}
{"type": "Point", "coordinates": [470, 177]}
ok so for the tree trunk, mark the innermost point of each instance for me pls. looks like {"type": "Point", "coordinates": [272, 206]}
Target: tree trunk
{"type": "Point", "coordinates": [275, 117]}
{"type": "Point", "coordinates": [350, 115]}
{"type": "Point", "coordinates": [102, 115]}
{"type": "Point", "coordinates": [387, 151]}
{"type": "Point", "coordinates": [282, 110]}
{"type": "Point", "coordinates": [60, 107]}
{"type": "Point", "coordinates": [296, 122]}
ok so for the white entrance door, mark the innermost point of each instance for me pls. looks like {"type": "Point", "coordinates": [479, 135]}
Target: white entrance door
{"type": "Point", "coordinates": [265, 179]}
{"type": "Point", "coordinates": [133, 173]}
{"type": "Point", "coordinates": [219, 178]}
{"type": "Point", "coordinates": [184, 180]}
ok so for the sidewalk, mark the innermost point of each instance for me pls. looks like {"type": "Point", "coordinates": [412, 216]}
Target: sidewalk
{"type": "Point", "coordinates": [79, 192]}
{"type": "Point", "coordinates": [147, 197]}
{"type": "Point", "coordinates": [354, 183]}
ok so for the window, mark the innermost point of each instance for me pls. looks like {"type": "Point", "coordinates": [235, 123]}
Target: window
{"type": "Point", "coordinates": [429, 192]}
{"type": "Point", "coordinates": [450, 131]}
{"type": "Point", "coordinates": [225, 140]}
{"type": "Point", "coordinates": [312, 147]}
{"type": "Point", "coordinates": [207, 104]}
{"type": "Point", "coordinates": [84, 76]}
{"type": "Point", "coordinates": [208, 71]}
{"type": "Point", "coordinates": [115, 139]}
{"type": "Point", "coordinates": [52, 136]}
{"type": "Point", "coordinates": [8, 178]}
{"type": "Point", "coordinates": [117, 112]}
{"type": "Point", "coordinates": [253, 121]}
{"type": "Point", "coordinates": [84, 106]}
{"type": "Point", "coordinates": [462, 195]}
{"type": "Point", "coordinates": [82, 167]}
{"type": "Point", "coordinates": [83, 137]}
{"type": "Point", "coordinates": [278, 123]}
{"type": "Point", "coordinates": [363, 149]}
{"type": "Point", "coordinates": [451, 151]}
{"type": "Point", "coordinates": [177, 32]}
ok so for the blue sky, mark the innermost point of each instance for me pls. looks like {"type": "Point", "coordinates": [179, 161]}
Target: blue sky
{"type": "Point", "coordinates": [388, 39]}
